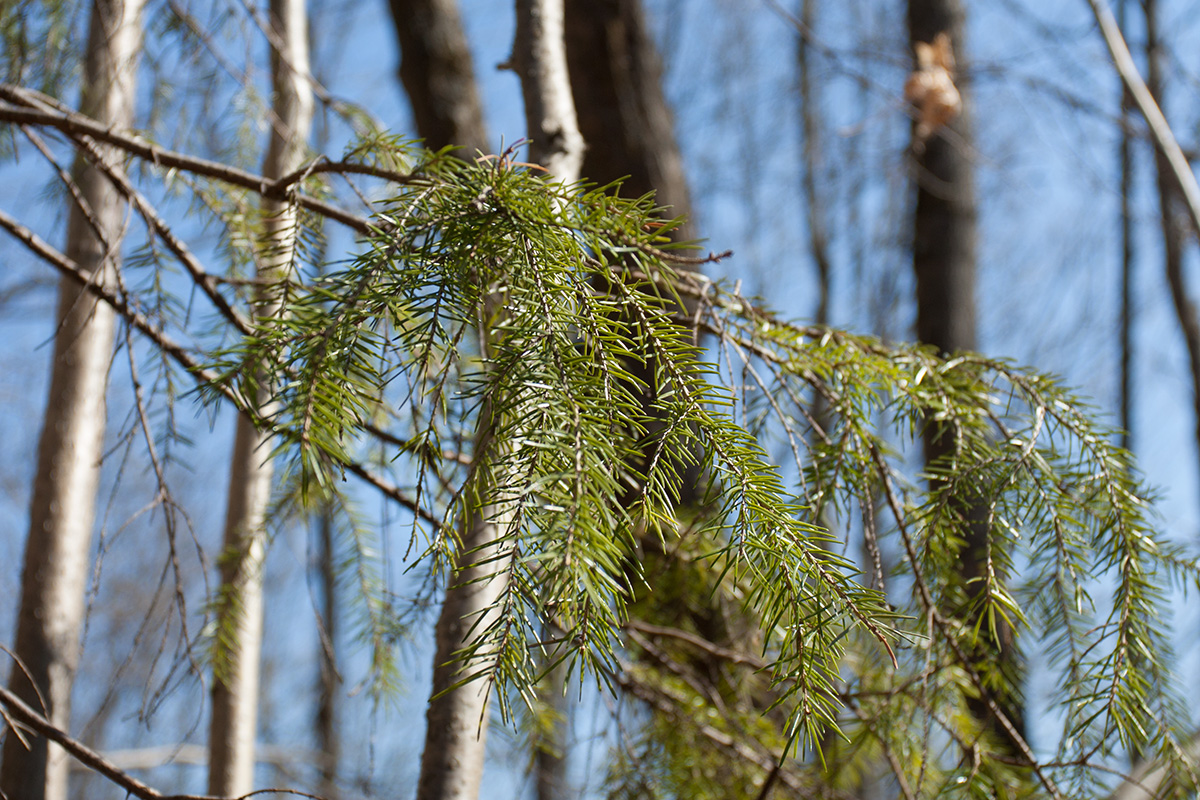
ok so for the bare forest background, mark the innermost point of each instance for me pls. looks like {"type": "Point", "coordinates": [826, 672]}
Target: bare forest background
{"type": "Point", "coordinates": [783, 131]}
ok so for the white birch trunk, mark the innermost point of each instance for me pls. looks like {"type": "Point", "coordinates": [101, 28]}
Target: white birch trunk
{"type": "Point", "coordinates": [235, 694]}
{"type": "Point", "coordinates": [62, 511]}
{"type": "Point", "coordinates": [457, 721]}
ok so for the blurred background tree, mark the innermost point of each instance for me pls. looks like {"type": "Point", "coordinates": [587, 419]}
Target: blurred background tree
{"type": "Point", "coordinates": [783, 132]}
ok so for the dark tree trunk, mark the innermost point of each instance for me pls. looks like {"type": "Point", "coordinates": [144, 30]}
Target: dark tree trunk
{"type": "Point", "coordinates": [1125, 159]}
{"type": "Point", "coordinates": [438, 76]}
{"type": "Point", "coordinates": [944, 262]}
{"type": "Point", "coordinates": [617, 82]}
{"type": "Point", "coordinates": [1172, 216]}
{"type": "Point", "coordinates": [944, 228]}
{"type": "Point", "coordinates": [326, 722]}
{"type": "Point", "coordinates": [616, 76]}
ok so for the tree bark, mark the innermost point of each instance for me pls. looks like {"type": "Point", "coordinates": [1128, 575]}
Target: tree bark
{"type": "Point", "coordinates": [1125, 164]}
{"type": "Point", "coordinates": [456, 731]}
{"type": "Point", "coordinates": [944, 262]}
{"type": "Point", "coordinates": [944, 225]}
{"type": "Point", "coordinates": [235, 686]}
{"type": "Point", "coordinates": [1172, 216]}
{"type": "Point", "coordinates": [818, 239]}
{"type": "Point", "coordinates": [326, 722]}
{"type": "Point", "coordinates": [540, 59]}
{"type": "Point", "coordinates": [551, 779]}
{"type": "Point", "coordinates": [62, 511]}
{"type": "Point", "coordinates": [616, 77]}
{"type": "Point", "coordinates": [438, 75]}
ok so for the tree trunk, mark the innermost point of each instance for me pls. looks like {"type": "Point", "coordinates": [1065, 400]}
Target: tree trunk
{"type": "Point", "coordinates": [1172, 216]}
{"type": "Point", "coordinates": [62, 510]}
{"type": "Point", "coordinates": [328, 741]}
{"type": "Point", "coordinates": [944, 259]}
{"type": "Point", "coordinates": [438, 76]}
{"type": "Point", "coordinates": [235, 686]}
{"type": "Point", "coordinates": [944, 227]}
{"type": "Point", "coordinates": [814, 204]}
{"type": "Point", "coordinates": [1125, 161]}
{"type": "Point", "coordinates": [623, 114]}
{"type": "Point", "coordinates": [551, 780]}
{"type": "Point", "coordinates": [437, 73]}
{"type": "Point", "coordinates": [616, 77]}
{"type": "Point", "coordinates": [456, 731]}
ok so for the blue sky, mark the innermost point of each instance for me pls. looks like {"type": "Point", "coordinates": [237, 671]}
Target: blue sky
{"type": "Point", "coordinates": [1048, 248]}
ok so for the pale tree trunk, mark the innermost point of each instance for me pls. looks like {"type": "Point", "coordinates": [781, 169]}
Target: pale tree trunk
{"type": "Point", "coordinates": [438, 76]}
{"type": "Point", "coordinates": [235, 687]}
{"type": "Point", "coordinates": [457, 720]}
{"type": "Point", "coordinates": [540, 59]}
{"type": "Point", "coordinates": [944, 260]}
{"type": "Point", "coordinates": [62, 510]}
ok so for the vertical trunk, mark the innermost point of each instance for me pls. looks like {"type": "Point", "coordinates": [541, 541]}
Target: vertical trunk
{"type": "Point", "coordinates": [235, 687]}
{"type": "Point", "coordinates": [944, 226]}
{"type": "Point", "coordinates": [328, 743]}
{"type": "Point", "coordinates": [623, 114]}
{"type": "Point", "coordinates": [436, 70]}
{"type": "Point", "coordinates": [438, 77]}
{"type": "Point", "coordinates": [452, 760]}
{"type": "Point", "coordinates": [540, 59]}
{"type": "Point", "coordinates": [1172, 215]}
{"type": "Point", "coordinates": [944, 259]}
{"type": "Point", "coordinates": [456, 719]}
{"type": "Point", "coordinates": [617, 84]}
{"type": "Point", "coordinates": [616, 78]}
{"type": "Point", "coordinates": [818, 241]}
{"type": "Point", "coordinates": [64, 491]}
{"type": "Point", "coordinates": [550, 764]}
{"type": "Point", "coordinates": [1125, 158]}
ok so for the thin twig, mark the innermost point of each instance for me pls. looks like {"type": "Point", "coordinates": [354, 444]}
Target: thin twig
{"type": "Point", "coordinates": [177, 352]}
{"type": "Point", "coordinates": [73, 123]}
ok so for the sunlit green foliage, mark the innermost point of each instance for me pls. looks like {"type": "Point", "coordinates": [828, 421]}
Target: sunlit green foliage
{"type": "Point", "coordinates": [473, 315]}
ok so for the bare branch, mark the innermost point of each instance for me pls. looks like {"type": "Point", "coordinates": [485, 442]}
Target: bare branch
{"type": "Point", "coordinates": [75, 124]}
{"type": "Point", "coordinates": [1160, 129]}
{"type": "Point", "coordinates": [177, 352]}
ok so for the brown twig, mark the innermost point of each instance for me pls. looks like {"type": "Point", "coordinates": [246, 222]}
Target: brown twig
{"type": "Point", "coordinates": [26, 716]}
{"type": "Point", "coordinates": [177, 352]}
{"type": "Point", "coordinates": [76, 124]}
